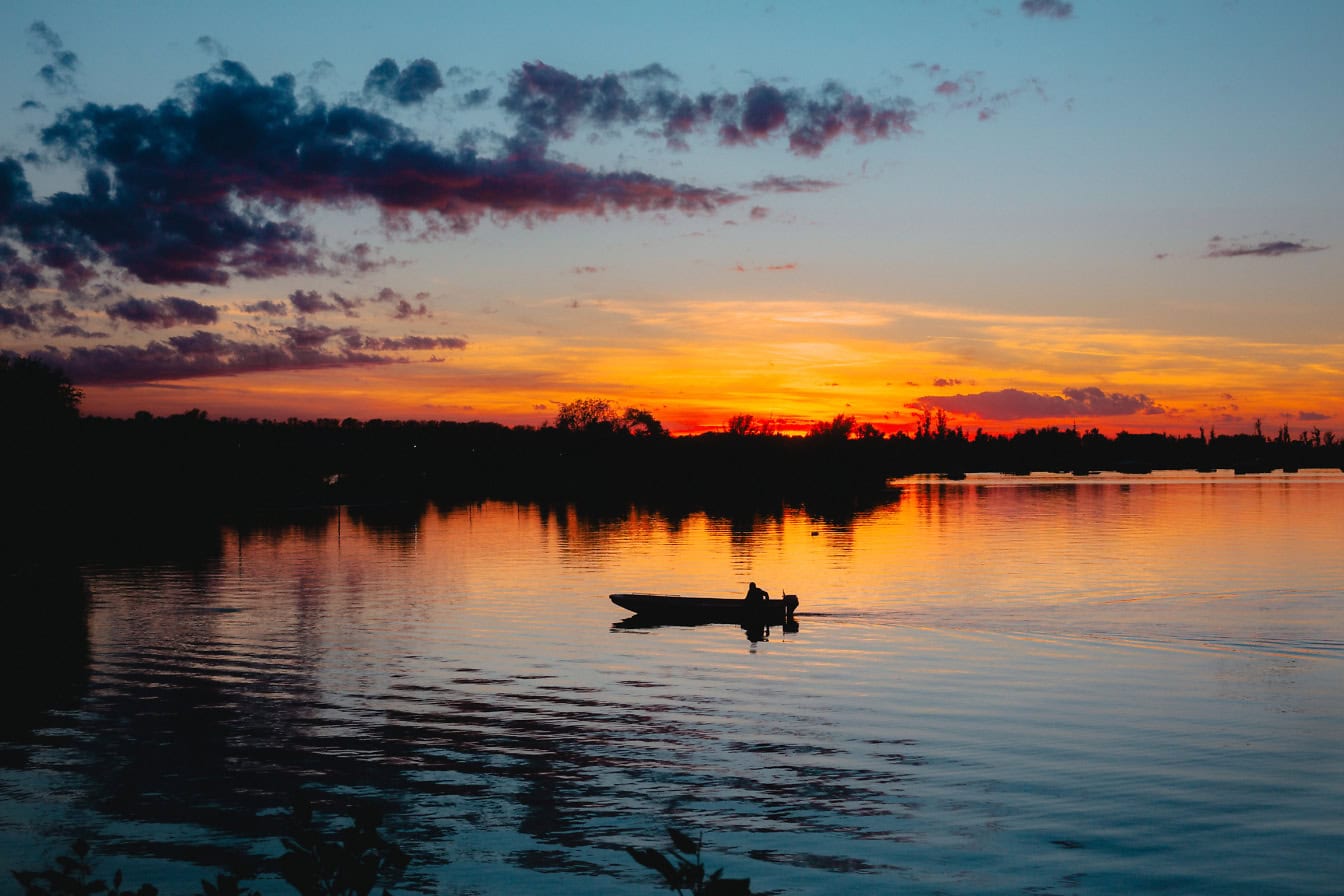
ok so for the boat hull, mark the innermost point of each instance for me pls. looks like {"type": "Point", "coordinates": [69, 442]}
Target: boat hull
{"type": "Point", "coordinates": [680, 608]}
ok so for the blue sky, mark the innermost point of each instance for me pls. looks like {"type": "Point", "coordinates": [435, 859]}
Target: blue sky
{"type": "Point", "coordinates": [1137, 201]}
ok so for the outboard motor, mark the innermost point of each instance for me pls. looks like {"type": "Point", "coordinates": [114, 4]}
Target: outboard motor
{"type": "Point", "coordinates": [790, 602]}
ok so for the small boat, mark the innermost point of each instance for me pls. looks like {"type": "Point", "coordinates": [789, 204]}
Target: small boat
{"type": "Point", "coordinates": [680, 608]}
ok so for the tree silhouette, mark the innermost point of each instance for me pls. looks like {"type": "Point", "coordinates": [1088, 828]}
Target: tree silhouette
{"type": "Point", "coordinates": [599, 415]}
{"type": "Point", "coordinates": [838, 428]}
{"type": "Point", "coordinates": [35, 394]}
{"type": "Point", "coordinates": [584, 414]}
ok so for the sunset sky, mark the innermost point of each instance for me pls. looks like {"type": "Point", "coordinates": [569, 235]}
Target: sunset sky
{"type": "Point", "coordinates": [1127, 215]}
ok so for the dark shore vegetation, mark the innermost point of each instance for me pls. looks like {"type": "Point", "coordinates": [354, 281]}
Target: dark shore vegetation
{"type": "Point", "coordinates": [320, 859]}
{"type": "Point", "coordinates": [66, 467]}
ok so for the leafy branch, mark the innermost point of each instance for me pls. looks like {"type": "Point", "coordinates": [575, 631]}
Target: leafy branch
{"type": "Point", "coordinates": [683, 869]}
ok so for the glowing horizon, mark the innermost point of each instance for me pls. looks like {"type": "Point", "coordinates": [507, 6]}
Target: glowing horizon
{"type": "Point", "coordinates": [997, 213]}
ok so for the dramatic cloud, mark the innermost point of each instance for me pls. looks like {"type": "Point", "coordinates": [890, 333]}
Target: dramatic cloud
{"type": "Point", "coordinates": [203, 353]}
{"type": "Point", "coordinates": [210, 184]}
{"type": "Point", "coordinates": [1051, 9]}
{"type": "Point", "coordinates": [1014, 404]}
{"type": "Point", "coordinates": [1266, 249]}
{"type": "Point", "coordinates": [550, 103]}
{"type": "Point", "coordinates": [163, 313]}
{"type": "Point", "coordinates": [407, 87]}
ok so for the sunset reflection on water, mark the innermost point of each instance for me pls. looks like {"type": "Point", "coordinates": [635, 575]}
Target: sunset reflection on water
{"type": "Point", "coordinates": [996, 684]}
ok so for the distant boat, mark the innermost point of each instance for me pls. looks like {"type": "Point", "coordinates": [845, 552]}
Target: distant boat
{"type": "Point", "coordinates": [684, 609]}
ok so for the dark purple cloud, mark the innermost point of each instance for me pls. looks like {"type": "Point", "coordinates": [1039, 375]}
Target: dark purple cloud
{"type": "Point", "coordinates": [813, 121]}
{"type": "Point", "coordinates": [1265, 249]}
{"type": "Point", "coordinates": [203, 353]}
{"type": "Point", "coordinates": [413, 343]}
{"type": "Point", "coordinates": [1050, 9]}
{"type": "Point", "coordinates": [310, 301]}
{"type": "Point", "coordinates": [414, 84]}
{"type": "Point", "coordinates": [78, 332]}
{"type": "Point", "coordinates": [15, 317]}
{"type": "Point", "coordinates": [212, 184]}
{"type": "Point", "coordinates": [33, 316]}
{"type": "Point", "coordinates": [550, 103]}
{"type": "Point", "coordinates": [405, 310]}
{"type": "Point", "coordinates": [170, 311]}
{"type": "Point", "coordinates": [266, 306]}
{"type": "Point", "coordinates": [1015, 404]}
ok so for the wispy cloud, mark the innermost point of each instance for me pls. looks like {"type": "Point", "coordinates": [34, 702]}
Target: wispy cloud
{"type": "Point", "coordinates": [783, 266]}
{"type": "Point", "coordinates": [59, 72]}
{"type": "Point", "coordinates": [1219, 248]}
{"type": "Point", "coordinates": [207, 44]}
{"type": "Point", "coordinates": [778, 184]}
{"type": "Point", "coordinates": [1050, 9]}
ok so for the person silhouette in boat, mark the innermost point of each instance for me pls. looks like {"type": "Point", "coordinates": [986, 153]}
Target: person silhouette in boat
{"type": "Point", "coordinates": [756, 595]}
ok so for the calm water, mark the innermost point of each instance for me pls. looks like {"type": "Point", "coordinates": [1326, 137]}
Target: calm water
{"type": "Point", "coordinates": [1003, 685]}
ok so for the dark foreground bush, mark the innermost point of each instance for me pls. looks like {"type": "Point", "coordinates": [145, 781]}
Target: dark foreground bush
{"type": "Point", "coordinates": [684, 871]}
{"type": "Point", "coordinates": [352, 862]}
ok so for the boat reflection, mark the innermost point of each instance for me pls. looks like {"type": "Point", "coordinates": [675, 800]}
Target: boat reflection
{"type": "Point", "coordinates": [755, 632]}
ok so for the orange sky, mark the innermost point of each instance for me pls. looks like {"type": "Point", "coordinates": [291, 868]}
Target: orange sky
{"type": "Point", "coordinates": [1004, 213]}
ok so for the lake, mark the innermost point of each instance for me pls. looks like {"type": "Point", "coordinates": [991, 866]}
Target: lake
{"type": "Point", "coordinates": [1044, 684]}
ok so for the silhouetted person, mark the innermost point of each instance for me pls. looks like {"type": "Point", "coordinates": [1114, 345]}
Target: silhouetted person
{"type": "Point", "coordinates": [756, 595]}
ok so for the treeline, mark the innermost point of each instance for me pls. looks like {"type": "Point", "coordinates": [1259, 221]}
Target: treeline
{"type": "Point", "coordinates": [193, 460]}
{"type": "Point", "coordinates": [189, 459]}
{"type": "Point", "coordinates": [62, 462]}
